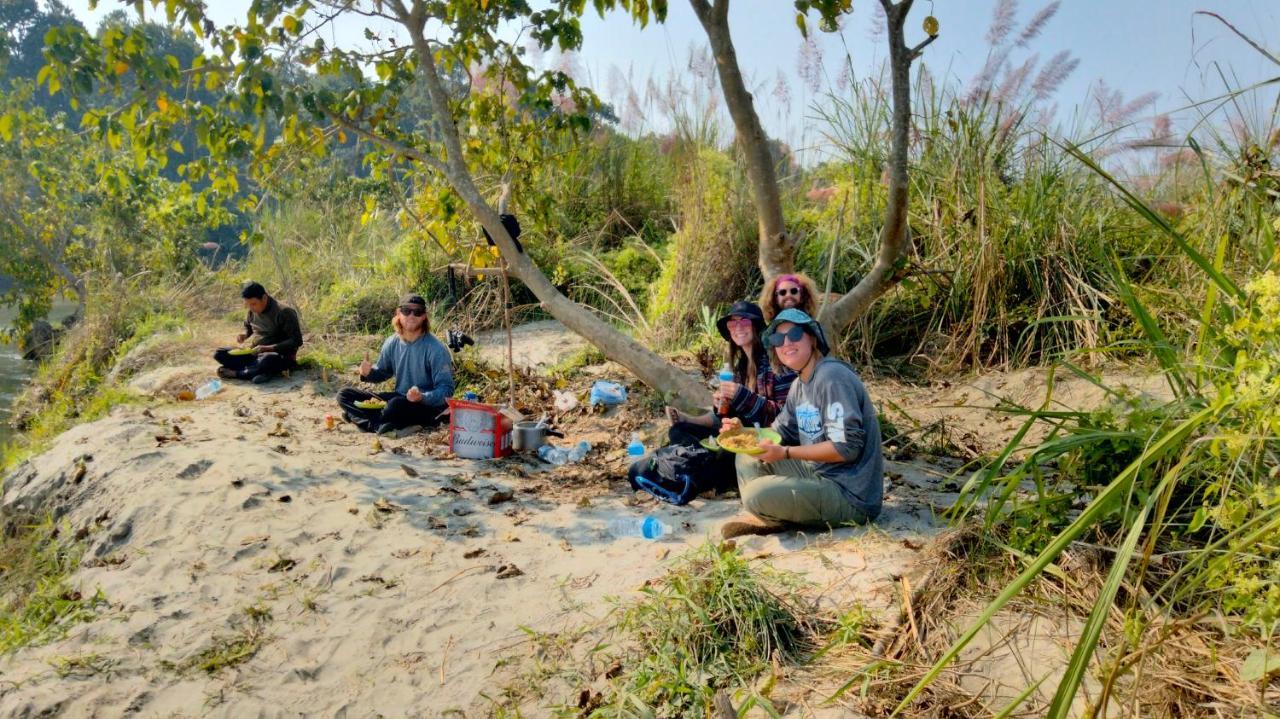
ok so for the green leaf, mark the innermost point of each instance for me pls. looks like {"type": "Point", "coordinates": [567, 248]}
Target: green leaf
{"type": "Point", "coordinates": [6, 127]}
{"type": "Point", "coordinates": [800, 23]}
{"type": "Point", "coordinates": [1261, 663]}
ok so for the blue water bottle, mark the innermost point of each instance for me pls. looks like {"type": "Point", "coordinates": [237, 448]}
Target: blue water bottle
{"type": "Point", "coordinates": [635, 448]}
{"type": "Point", "coordinates": [647, 527]}
{"type": "Point", "coordinates": [726, 375]}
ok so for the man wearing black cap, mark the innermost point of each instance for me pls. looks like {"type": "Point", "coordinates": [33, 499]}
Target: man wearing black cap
{"type": "Point", "coordinates": [276, 334]}
{"type": "Point", "coordinates": [423, 371]}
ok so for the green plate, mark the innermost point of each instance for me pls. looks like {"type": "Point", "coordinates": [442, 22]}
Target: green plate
{"type": "Point", "coordinates": [768, 434]}
{"type": "Point", "coordinates": [240, 352]}
{"type": "Point", "coordinates": [371, 404]}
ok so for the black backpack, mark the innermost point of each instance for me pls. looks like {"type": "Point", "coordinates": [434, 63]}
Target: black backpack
{"type": "Point", "coordinates": [678, 473]}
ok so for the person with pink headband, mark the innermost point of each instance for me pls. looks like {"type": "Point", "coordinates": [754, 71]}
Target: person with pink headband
{"type": "Point", "coordinates": [789, 291]}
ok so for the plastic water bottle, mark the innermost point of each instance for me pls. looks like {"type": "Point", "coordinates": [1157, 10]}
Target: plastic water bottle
{"type": "Point", "coordinates": [552, 454]}
{"type": "Point", "coordinates": [635, 448]}
{"type": "Point", "coordinates": [579, 451]}
{"type": "Point", "coordinates": [726, 375]}
{"type": "Point", "coordinates": [470, 396]}
{"type": "Point", "coordinates": [208, 389]}
{"type": "Point", "coordinates": [647, 527]}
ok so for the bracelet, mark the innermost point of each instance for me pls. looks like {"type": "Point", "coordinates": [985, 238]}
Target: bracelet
{"type": "Point", "coordinates": [786, 451]}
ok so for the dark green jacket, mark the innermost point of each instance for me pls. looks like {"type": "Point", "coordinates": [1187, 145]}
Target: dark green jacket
{"type": "Point", "coordinates": [278, 325]}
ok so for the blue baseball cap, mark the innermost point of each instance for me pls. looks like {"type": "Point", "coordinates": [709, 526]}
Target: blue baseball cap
{"type": "Point", "coordinates": [801, 318]}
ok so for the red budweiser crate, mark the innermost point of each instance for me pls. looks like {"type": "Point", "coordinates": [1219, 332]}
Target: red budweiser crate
{"type": "Point", "coordinates": [478, 431]}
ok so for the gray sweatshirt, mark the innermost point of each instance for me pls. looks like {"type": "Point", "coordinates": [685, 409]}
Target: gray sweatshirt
{"type": "Point", "coordinates": [834, 405]}
{"type": "Point", "coordinates": [423, 363]}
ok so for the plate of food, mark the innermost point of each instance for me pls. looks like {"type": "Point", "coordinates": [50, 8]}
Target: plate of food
{"type": "Point", "coordinates": [374, 403]}
{"type": "Point", "coordinates": [747, 441]}
{"type": "Point", "coordinates": [241, 351]}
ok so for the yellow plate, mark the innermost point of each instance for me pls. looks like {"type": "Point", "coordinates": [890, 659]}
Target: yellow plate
{"type": "Point", "coordinates": [371, 404]}
{"type": "Point", "coordinates": [726, 442]}
{"type": "Point", "coordinates": [240, 352]}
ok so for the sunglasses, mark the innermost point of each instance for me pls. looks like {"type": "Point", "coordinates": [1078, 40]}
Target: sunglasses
{"type": "Point", "coordinates": [739, 322]}
{"type": "Point", "coordinates": [794, 334]}
{"type": "Point", "coordinates": [784, 291]}
{"type": "Point", "coordinates": [415, 311]}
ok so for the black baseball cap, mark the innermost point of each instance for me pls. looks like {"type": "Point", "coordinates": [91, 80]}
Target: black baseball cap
{"type": "Point", "coordinates": [412, 299]}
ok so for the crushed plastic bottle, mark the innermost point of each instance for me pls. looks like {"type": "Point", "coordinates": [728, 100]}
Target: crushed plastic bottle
{"type": "Point", "coordinates": [559, 456]}
{"type": "Point", "coordinates": [552, 454]}
{"type": "Point", "coordinates": [579, 451]}
{"type": "Point", "coordinates": [208, 389]}
{"type": "Point", "coordinates": [648, 527]}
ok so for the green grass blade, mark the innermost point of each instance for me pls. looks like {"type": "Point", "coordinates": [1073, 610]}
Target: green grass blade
{"type": "Point", "coordinates": [1091, 514]}
{"type": "Point", "coordinates": [1158, 342]}
{"type": "Point", "coordinates": [1020, 699]}
{"type": "Point", "coordinates": [1158, 220]}
{"type": "Point", "coordinates": [1060, 707]}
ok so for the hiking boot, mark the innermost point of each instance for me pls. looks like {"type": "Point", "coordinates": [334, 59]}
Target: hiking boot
{"type": "Point", "coordinates": [394, 432]}
{"type": "Point", "coordinates": [745, 524]}
{"type": "Point", "coordinates": [408, 431]}
{"type": "Point", "coordinates": [261, 378]}
{"type": "Point", "coordinates": [228, 373]}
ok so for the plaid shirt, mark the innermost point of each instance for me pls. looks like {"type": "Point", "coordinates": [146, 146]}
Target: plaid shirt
{"type": "Point", "coordinates": [762, 406]}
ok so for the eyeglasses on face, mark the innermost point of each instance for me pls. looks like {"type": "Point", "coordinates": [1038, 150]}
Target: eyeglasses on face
{"type": "Point", "coordinates": [784, 291]}
{"type": "Point", "coordinates": [411, 310]}
{"type": "Point", "coordinates": [794, 334]}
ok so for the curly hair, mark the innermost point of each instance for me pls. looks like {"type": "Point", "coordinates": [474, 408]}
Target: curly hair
{"type": "Point", "coordinates": [769, 298]}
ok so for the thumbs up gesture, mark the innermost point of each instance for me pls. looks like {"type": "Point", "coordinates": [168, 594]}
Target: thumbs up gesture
{"type": "Point", "coordinates": [365, 366]}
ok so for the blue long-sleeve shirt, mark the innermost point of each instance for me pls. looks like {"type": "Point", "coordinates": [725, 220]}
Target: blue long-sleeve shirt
{"type": "Point", "coordinates": [424, 363]}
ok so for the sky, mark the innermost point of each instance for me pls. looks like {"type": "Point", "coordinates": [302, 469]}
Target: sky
{"type": "Point", "coordinates": [1134, 46]}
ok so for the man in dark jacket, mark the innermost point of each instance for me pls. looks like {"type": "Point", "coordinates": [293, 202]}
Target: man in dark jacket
{"type": "Point", "coordinates": [276, 334]}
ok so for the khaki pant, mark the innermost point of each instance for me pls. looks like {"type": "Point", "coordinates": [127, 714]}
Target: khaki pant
{"type": "Point", "coordinates": [791, 491]}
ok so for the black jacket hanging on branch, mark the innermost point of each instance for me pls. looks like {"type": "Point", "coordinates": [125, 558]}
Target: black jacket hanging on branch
{"type": "Point", "coordinates": [513, 228]}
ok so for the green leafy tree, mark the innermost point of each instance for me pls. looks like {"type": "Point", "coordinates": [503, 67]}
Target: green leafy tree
{"type": "Point", "coordinates": [71, 208]}
{"type": "Point", "coordinates": [465, 58]}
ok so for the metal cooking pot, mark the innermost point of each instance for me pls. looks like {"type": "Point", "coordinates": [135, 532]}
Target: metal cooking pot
{"type": "Point", "coordinates": [528, 436]}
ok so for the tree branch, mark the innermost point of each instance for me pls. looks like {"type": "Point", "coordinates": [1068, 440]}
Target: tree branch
{"type": "Point", "coordinates": [777, 248]}
{"type": "Point", "coordinates": [918, 50]}
{"type": "Point", "coordinates": [406, 151]}
{"type": "Point", "coordinates": [890, 266]}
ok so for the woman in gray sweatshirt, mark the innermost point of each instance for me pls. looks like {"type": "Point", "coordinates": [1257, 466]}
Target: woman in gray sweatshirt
{"type": "Point", "coordinates": [422, 369]}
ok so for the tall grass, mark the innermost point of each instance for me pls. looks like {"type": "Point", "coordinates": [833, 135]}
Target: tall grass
{"type": "Point", "coordinates": [1181, 491]}
{"type": "Point", "coordinates": [1010, 233]}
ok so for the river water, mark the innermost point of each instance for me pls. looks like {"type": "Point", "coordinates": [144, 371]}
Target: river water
{"type": "Point", "coordinates": [15, 371]}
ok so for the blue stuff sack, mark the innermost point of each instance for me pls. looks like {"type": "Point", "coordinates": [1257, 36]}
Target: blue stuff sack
{"type": "Point", "coordinates": [607, 393]}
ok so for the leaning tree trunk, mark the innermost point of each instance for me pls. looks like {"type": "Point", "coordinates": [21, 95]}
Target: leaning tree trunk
{"type": "Point", "coordinates": [682, 389]}
{"type": "Point", "coordinates": [890, 264]}
{"type": "Point", "coordinates": [777, 248]}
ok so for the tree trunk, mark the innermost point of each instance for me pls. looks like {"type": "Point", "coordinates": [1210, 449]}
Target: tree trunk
{"type": "Point", "coordinates": [777, 248]}
{"type": "Point", "coordinates": [677, 386]}
{"type": "Point", "coordinates": [889, 267]}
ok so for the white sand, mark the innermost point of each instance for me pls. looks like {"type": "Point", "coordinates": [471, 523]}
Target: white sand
{"type": "Point", "coordinates": [395, 613]}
